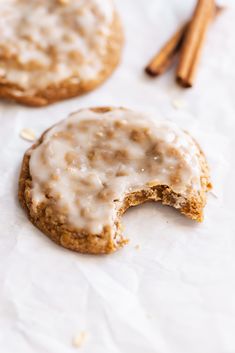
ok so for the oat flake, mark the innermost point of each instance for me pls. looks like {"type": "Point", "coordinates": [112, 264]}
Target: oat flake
{"type": "Point", "coordinates": [79, 340]}
{"type": "Point", "coordinates": [27, 134]}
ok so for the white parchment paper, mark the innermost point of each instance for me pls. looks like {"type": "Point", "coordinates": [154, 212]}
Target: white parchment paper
{"type": "Point", "coordinates": [174, 292]}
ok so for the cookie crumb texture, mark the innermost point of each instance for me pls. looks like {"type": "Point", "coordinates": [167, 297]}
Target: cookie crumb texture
{"type": "Point", "coordinates": [53, 50]}
{"type": "Point", "coordinates": [86, 171]}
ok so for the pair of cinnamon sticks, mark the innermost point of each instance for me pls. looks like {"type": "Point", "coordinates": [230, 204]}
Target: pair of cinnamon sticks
{"type": "Point", "coordinates": [188, 42]}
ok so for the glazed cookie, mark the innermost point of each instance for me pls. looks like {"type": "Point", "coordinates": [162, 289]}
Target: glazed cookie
{"type": "Point", "coordinates": [87, 170]}
{"type": "Point", "coordinates": [56, 49]}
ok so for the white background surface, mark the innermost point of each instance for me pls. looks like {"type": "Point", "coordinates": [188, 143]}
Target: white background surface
{"type": "Point", "coordinates": [176, 293]}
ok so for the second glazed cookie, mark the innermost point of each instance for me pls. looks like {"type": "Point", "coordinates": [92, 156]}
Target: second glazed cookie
{"type": "Point", "coordinates": [56, 49]}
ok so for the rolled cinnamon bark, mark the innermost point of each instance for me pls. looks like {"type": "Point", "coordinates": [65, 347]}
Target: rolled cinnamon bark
{"type": "Point", "coordinates": [163, 60]}
{"type": "Point", "coordinates": [193, 42]}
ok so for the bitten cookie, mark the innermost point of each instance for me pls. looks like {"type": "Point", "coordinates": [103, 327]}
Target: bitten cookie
{"type": "Point", "coordinates": [56, 49]}
{"type": "Point", "coordinates": [86, 171]}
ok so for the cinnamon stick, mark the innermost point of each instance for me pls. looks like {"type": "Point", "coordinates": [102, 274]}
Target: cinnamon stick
{"type": "Point", "coordinates": [162, 61]}
{"type": "Point", "coordinates": [193, 42]}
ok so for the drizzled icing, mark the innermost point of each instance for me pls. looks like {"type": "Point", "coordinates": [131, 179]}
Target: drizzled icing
{"type": "Point", "coordinates": [45, 42]}
{"type": "Point", "coordinates": [89, 162]}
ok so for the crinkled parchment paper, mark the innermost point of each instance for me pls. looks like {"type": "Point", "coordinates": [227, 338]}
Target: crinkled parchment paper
{"type": "Point", "coordinates": [172, 289]}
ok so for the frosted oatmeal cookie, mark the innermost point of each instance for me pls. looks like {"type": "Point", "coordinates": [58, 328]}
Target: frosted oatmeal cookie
{"type": "Point", "coordinates": [86, 171]}
{"type": "Point", "coordinates": [56, 49]}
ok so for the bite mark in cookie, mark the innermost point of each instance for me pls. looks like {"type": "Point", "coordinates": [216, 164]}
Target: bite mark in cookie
{"type": "Point", "coordinates": [84, 172]}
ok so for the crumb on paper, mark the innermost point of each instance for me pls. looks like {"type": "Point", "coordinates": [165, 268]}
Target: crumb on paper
{"type": "Point", "coordinates": [178, 103]}
{"type": "Point", "coordinates": [214, 194]}
{"type": "Point", "coordinates": [27, 134]}
{"type": "Point", "coordinates": [63, 2]}
{"type": "Point", "coordinates": [79, 339]}
{"type": "Point", "coordinates": [137, 247]}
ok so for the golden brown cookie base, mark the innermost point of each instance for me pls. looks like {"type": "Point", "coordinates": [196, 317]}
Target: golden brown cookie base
{"type": "Point", "coordinates": [58, 229]}
{"type": "Point", "coordinates": [65, 90]}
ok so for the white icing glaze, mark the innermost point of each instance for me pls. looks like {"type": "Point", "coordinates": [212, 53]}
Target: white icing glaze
{"type": "Point", "coordinates": [91, 160]}
{"type": "Point", "coordinates": [45, 42]}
